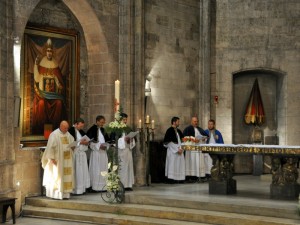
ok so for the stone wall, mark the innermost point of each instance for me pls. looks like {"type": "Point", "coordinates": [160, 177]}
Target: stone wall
{"type": "Point", "coordinates": [7, 155]}
{"type": "Point", "coordinates": [258, 35]}
{"type": "Point", "coordinates": [28, 177]}
{"type": "Point", "coordinates": [172, 60]}
{"type": "Point", "coordinates": [8, 132]}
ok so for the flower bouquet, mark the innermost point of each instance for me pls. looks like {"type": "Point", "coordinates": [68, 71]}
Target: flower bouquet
{"type": "Point", "coordinates": [115, 189]}
{"type": "Point", "coordinates": [117, 126]}
{"type": "Point", "coordinates": [112, 177]}
{"type": "Point", "coordinates": [189, 140]}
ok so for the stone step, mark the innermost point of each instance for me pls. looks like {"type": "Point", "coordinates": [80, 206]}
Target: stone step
{"type": "Point", "coordinates": [153, 211]}
{"type": "Point", "coordinates": [256, 208]}
{"type": "Point", "coordinates": [97, 217]}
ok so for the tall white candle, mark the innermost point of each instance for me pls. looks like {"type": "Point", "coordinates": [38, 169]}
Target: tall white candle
{"type": "Point", "coordinates": [140, 124]}
{"type": "Point", "coordinates": [117, 94]}
{"type": "Point", "coordinates": [152, 124]}
{"type": "Point", "coordinates": [147, 119]}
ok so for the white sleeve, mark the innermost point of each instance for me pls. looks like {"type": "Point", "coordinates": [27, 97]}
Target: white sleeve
{"type": "Point", "coordinates": [121, 142]}
{"type": "Point", "coordinates": [173, 147]}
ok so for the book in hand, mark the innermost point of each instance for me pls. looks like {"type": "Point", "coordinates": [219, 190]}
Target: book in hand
{"type": "Point", "coordinates": [73, 144]}
{"type": "Point", "coordinates": [201, 137]}
{"type": "Point", "coordinates": [106, 144]}
{"type": "Point", "coordinates": [86, 138]}
{"type": "Point", "coordinates": [132, 134]}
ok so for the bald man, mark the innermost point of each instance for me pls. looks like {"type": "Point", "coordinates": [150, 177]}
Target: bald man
{"type": "Point", "coordinates": [57, 162]}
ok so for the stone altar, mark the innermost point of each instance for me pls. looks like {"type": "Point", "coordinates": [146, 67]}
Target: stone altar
{"type": "Point", "coordinates": [284, 167]}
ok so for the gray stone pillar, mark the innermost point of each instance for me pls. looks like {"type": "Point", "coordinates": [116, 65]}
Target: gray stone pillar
{"type": "Point", "coordinates": [204, 63]}
{"type": "Point", "coordinates": [7, 130]}
{"type": "Point", "coordinates": [131, 62]}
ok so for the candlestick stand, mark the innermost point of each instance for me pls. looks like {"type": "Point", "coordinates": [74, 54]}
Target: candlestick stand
{"type": "Point", "coordinates": [147, 134]}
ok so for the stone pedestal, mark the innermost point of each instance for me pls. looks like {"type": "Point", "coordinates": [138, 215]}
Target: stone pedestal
{"type": "Point", "coordinates": [258, 165]}
{"type": "Point", "coordinates": [285, 191]}
{"type": "Point", "coordinates": [225, 187]}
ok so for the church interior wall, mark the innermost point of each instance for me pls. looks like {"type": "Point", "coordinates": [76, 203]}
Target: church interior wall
{"type": "Point", "coordinates": [171, 59]}
{"type": "Point", "coordinates": [8, 133]}
{"type": "Point", "coordinates": [254, 35]}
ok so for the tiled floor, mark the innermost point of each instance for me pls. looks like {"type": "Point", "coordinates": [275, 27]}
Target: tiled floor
{"type": "Point", "coordinates": [251, 190]}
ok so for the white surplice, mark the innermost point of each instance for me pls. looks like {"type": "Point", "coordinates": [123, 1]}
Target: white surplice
{"type": "Point", "coordinates": [125, 161]}
{"type": "Point", "coordinates": [195, 161]}
{"type": "Point", "coordinates": [82, 176]}
{"type": "Point", "coordinates": [175, 164]}
{"type": "Point", "coordinates": [58, 179]}
{"type": "Point", "coordinates": [98, 163]}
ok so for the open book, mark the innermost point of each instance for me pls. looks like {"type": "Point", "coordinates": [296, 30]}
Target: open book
{"type": "Point", "coordinates": [201, 137]}
{"type": "Point", "coordinates": [76, 143]}
{"type": "Point", "coordinates": [73, 144]}
{"type": "Point", "coordinates": [132, 134]}
{"type": "Point", "coordinates": [86, 138]}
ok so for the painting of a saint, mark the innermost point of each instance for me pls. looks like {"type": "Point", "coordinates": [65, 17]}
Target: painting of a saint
{"type": "Point", "coordinates": [49, 74]}
{"type": "Point", "coordinates": [49, 105]}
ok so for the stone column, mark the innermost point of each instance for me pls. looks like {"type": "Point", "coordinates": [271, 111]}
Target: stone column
{"type": "Point", "coordinates": [139, 89]}
{"type": "Point", "coordinates": [7, 131]}
{"type": "Point", "coordinates": [204, 63]}
{"type": "Point", "coordinates": [131, 61]}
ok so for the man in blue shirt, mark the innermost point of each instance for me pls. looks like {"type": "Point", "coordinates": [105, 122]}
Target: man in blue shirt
{"type": "Point", "coordinates": [214, 137]}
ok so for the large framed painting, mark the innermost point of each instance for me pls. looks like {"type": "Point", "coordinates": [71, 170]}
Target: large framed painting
{"type": "Point", "coordinates": [49, 82]}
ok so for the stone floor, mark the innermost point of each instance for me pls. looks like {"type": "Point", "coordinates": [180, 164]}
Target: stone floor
{"type": "Point", "coordinates": [251, 190]}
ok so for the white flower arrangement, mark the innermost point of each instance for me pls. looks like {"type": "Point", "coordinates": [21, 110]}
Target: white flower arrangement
{"type": "Point", "coordinates": [117, 126]}
{"type": "Point", "coordinates": [112, 178]}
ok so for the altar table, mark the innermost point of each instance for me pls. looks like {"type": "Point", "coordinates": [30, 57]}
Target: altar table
{"type": "Point", "coordinates": [283, 169]}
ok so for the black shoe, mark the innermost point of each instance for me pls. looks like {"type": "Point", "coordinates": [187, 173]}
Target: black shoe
{"type": "Point", "coordinates": [128, 189]}
{"type": "Point", "coordinates": [203, 179]}
{"type": "Point", "coordinates": [170, 181]}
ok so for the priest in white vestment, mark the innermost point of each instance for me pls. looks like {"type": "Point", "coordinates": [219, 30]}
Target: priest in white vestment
{"type": "Point", "coordinates": [82, 176]}
{"type": "Point", "coordinates": [57, 162]}
{"type": "Point", "coordinates": [98, 158]}
{"type": "Point", "coordinates": [175, 164]}
{"type": "Point", "coordinates": [125, 146]}
{"type": "Point", "coordinates": [195, 161]}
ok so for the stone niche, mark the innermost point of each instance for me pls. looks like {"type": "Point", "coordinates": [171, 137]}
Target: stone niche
{"type": "Point", "coordinates": [269, 84]}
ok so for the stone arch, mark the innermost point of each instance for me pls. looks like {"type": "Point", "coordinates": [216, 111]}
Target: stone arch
{"type": "Point", "coordinates": [98, 52]}
{"type": "Point", "coordinates": [273, 89]}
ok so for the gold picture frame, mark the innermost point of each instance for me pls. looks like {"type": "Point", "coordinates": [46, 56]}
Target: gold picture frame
{"type": "Point", "coordinates": [49, 82]}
